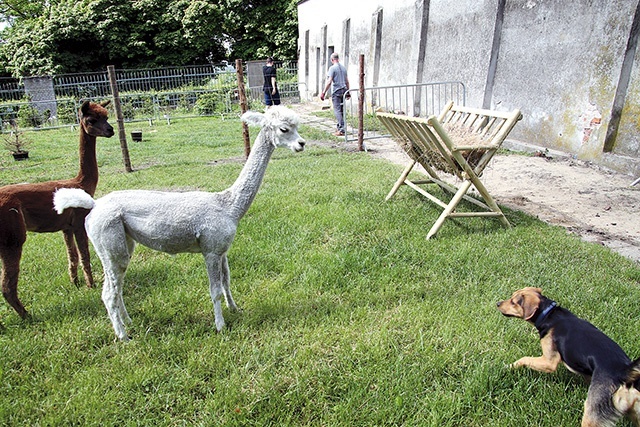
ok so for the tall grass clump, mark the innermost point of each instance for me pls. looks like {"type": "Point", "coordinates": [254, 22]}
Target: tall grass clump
{"type": "Point", "coordinates": [350, 317]}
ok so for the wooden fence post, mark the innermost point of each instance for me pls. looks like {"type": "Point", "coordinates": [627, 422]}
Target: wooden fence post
{"type": "Point", "coordinates": [243, 106]}
{"type": "Point", "coordinates": [361, 106]}
{"type": "Point", "coordinates": [121, 131]}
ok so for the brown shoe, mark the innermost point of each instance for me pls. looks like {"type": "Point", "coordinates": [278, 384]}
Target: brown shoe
{"type": "Point", "coordinates": [339, 133]}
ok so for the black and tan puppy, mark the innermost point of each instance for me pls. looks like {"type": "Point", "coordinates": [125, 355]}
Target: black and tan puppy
{"type": "Point", "coordinates": [615, 380]}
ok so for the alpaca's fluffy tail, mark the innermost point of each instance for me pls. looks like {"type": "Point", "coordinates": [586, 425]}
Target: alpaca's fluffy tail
{"type": "Point", "coordinates": [65, 198]}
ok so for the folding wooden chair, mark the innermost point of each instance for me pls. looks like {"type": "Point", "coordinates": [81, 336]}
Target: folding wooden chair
{"type": "Point", "coordinates": [461, 142]}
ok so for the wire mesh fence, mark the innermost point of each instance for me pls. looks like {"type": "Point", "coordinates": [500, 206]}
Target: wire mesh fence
{"type": "Point", "coordinates": [416, 100]}
{"type": "Point", "coordinates": [146, 94]}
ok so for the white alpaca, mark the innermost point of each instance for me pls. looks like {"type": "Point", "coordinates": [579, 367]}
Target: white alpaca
{"type": "Point", "coordinates": [180, 222]}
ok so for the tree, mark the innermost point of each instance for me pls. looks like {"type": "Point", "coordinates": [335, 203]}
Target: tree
{"type": "Point", "coordinates": [261, 28]}
{"type": "Point", "coordinates": [22, 9]}
{"type": "Point", "coordinates": [202, 22]}
{"type": "Point", "coordinates": [64, 36]}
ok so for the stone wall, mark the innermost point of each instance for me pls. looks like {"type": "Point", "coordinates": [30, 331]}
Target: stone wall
{"type": "Point", "coordinates": [571, 67]}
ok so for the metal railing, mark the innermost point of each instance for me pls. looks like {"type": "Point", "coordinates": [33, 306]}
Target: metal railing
{"type": "Point", "coordinates": [416, 100]}
{"type": "Point", "coordinates": [139, 80]}
{"type": "Point", "coordinates": [149, 94]}
{"type": "Point", "coordinates": [10, 89]}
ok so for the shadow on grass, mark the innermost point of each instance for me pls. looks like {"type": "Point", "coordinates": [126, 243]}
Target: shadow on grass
{"type": "Point", "coordinates": [469, 225]}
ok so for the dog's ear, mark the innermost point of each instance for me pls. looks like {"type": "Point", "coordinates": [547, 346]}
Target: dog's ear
{"type": "Point", "coordinates": [530, 302]}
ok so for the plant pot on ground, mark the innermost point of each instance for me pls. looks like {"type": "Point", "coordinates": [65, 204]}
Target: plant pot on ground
{"type": "Point", "coordinates": [136, 135]}
{"type": "Point", "coordinates": [20, 155]}
{"type": "Point", "coordinates": [16, 142]}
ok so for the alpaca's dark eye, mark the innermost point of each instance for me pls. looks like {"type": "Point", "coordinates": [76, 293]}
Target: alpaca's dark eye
{"type": "Point", "coordinates": [284, 130]}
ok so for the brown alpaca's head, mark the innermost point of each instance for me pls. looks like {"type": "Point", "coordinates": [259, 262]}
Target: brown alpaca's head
{"type": "Point", "coordinates": [93, 119]}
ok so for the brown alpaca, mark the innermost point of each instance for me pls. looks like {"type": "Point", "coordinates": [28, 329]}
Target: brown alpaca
{"type": "Point", "coordinates": [29, 207]}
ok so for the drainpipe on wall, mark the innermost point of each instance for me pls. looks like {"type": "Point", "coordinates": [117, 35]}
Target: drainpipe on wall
{"type": "Point", "coordinates": [623, 84]}
{"type": "Point", "coordinates": [495, 52]}
{"type": "Point", "coordinates": [375, 48]}
{"type": "Point", "coordinates": [423, 26]}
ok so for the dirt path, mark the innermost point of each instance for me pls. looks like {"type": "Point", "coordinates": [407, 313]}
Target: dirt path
{"type": "Point", "coordinates": [597, 204]}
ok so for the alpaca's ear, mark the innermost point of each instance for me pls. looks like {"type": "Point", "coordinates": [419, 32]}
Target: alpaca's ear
{"type": "Point", "coordinates": [105, 102]}
{"type": "Point", "coordinates": [254, 118]}
{"type": "Point", "coordinates": [84, 109]}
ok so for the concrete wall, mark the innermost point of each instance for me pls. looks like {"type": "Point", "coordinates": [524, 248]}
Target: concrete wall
{"type": "Point", "coordinates": [42, 93]}
{"type": "Point", "coordinates": [562, 63]}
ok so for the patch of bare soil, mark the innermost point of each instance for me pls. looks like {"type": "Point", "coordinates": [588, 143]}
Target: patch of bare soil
{"type": "Point", "coordinates": [598, 204]}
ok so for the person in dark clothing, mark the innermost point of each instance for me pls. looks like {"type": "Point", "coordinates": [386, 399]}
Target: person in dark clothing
{"type": "Point", "coordinates": [271, 95]}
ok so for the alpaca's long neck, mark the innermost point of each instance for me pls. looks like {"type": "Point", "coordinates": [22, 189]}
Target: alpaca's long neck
{"type": "Point", "coordinates": [244, 190]}
{"type": "Point", "coordinates": [88, 174]}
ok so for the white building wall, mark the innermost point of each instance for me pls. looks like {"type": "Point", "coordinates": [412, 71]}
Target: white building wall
{"type": "Point", "coordinates": [559, 62]}
{"type": "Point", "coordinates": [398, 65]}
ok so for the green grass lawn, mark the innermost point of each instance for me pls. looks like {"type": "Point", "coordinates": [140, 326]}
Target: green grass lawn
{"type": "Point", "coordinates": [350, 317]}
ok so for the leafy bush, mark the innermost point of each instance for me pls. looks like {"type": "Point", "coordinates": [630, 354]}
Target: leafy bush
{"type": "Point", "coordinates": [286, 75]}
{"type": "Point", "coordinates": [29, 116]}
{"type": "Point", "coordinates": [8, 113]}
{"type": "Point", "coordinates": [186, 102]}
{"type": "Point", "coordinates": [223, 81]}
{"type": "Point", "coordinates": [140, 105]}
{"type": "Point", "coordinates": [128, 113]}
{"type": "Point", "coordinates": [67, 112]}
{"type": "Point", "coordinates": [207, 103]}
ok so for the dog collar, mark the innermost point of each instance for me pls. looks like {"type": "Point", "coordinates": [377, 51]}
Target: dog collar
{"type": "Point", "coordinates": [545, 313]}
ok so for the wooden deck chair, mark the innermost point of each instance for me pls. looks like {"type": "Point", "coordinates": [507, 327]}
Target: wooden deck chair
{"type": "Point", "coordinates": [461, 142]}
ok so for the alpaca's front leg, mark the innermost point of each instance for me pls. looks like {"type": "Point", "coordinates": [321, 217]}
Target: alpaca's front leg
{"type": "Point", "coordinates": [214, 264]}
{"type": "Point", "coordinates": [226, 281]}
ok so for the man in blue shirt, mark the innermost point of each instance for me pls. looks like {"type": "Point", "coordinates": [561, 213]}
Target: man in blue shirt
{"type": "Point", "coordinates": [337, 76]}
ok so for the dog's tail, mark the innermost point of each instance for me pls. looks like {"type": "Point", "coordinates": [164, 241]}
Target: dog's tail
{"type": "Point", "coordinates": [626, 399]}
{"type": "Point", "coordinates": [65, 198]}
{"type": "Point", "coordinates": [633, 375]}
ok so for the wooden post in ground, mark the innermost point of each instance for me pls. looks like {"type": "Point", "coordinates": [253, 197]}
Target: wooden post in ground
{"type": "Point", "coordinates": [122, 134]}
{"type": "Point", "coordinates": [243, 106]}
{"type": "Point", "coordinates": [361, 106]}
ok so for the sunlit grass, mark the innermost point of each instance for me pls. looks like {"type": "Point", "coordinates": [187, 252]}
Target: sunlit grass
{"type": "Point", "coordinates": [350, 316]}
